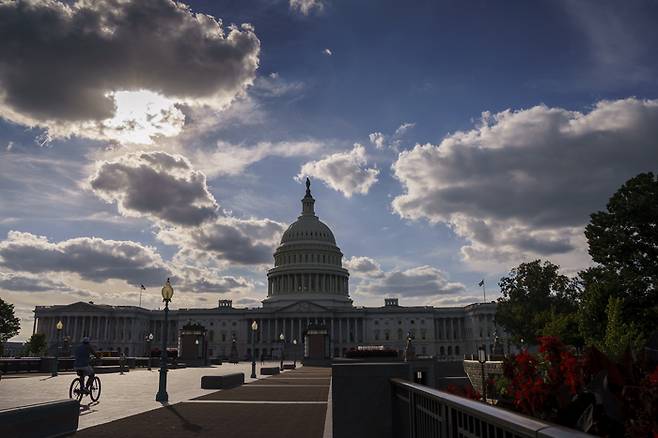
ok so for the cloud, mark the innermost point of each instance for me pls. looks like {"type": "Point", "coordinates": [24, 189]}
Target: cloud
{"type": "Point", "coordinates": [305, 7]}
{"type": "Point", "coordinates": [345, 172]}
{"type": "Point", "coordinates": [226, 240]}
{"type": "Point", "coordinates": [26, 283]}
{"type": "Point", "coordinates": [363, 267]}
{"type": "Point", "coordinates": [421, 281]}
{"type": "Point", "coordinates": [273, 85]}
{"type": "Point", "coordinates": [158, 185]}
{"type": "Point", "coordinates": [62, 64]}
{"type": "Point", "coordinates": [620, 38]}
{"type": "Point", "coordinates": [203, 280]}
{"type": "Point", "coordinates": [378, 139]}
{"type": "Point", "coordinates": [523, 183]}
{"type": "Point", "coordinates": [328, 52]}
{"type": "Point", "coordinates": [91, 258]}
{"type": "Point", "coordinates": [231, 159]}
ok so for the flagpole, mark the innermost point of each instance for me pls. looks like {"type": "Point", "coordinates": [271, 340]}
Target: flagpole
{"type": "Point", "coordinates": [484, 291]}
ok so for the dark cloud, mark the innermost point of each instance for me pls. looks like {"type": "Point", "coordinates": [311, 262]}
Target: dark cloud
{"type": "Point", "coordinates": [23, 283]}
{"type": "Point", "coordinates": [525, 182]}
{"type": "Point", "coordinates": [60, 61]}
{"type": "Point", "coordinates": [421, 281]}
{"type": "Point", "coordinates": [203, 280]}
{"type": "Point", "coordinates": [91, 258]}
{"type": "Point", "coordinates": [238, 241]}
{"type": "Point", "coordinates": [155, 184]}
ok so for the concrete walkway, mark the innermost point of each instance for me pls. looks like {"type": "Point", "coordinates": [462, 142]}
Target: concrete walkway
{"type": "Point", "coordinates": [121, 395]}
{"type": "Point", "coordinates": [292, 404]}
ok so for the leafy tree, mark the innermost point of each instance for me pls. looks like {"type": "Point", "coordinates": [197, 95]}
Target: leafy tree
{"type": "Point", "coordinates": [619, 336]}
{"type": "Point", "coordinates": [565, 327]}
{"type": "Point", "coordinates": [36, 344]}
{"type": "Point", "coordinates": [534, 295]}
{"type": "Point", "coordinates": [623, 241]}
{"type": "Point", "coordinates": [9, 323]}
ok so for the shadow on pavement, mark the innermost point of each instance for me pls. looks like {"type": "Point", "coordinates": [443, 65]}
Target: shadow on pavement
{"type": "Point", "coordinates": [187, 425]}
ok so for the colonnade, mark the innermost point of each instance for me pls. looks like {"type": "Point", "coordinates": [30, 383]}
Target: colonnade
{"type": "Point", "coordinates": [341, 330]}
{"type": "Point", "coordinates": [449, 328]}
{"type": "Point", "coordinates": [311, 282]}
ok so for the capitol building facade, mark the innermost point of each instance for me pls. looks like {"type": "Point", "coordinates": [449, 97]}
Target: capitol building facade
{"type": "Point", "coordinates": [307, 288]}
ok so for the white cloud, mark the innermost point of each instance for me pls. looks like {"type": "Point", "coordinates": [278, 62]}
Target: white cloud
{"type": "Point", "coordinates": [523, 183]}
{"type": "Point", "coordinates": [378, 139]}
{"type": "Point", "coordinates": [363, 267]}
{"type": "Point", "coordinates": [230, 159]}
{"type": "Point", "coordinates": [63, 66]}
{"type": "Point", "coordinates": [305, 7]}
{"type": "Point", "coordinates": [346, 172]}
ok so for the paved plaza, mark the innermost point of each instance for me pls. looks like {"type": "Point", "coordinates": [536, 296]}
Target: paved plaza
{"type": "Point", "coordinates": [293, 404]}
{"type": "Point", "coordinates": [122, 395]}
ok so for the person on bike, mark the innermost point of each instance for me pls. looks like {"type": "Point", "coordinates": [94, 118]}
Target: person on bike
{"type": "Point", "coordinates": [82, 364]}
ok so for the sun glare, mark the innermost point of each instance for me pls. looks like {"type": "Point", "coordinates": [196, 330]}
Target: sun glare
{"type": "Point", "coordinates": [142, 115]}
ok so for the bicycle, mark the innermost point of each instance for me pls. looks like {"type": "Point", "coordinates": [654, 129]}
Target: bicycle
{"type": "Point", "coordinates": [77, 391]}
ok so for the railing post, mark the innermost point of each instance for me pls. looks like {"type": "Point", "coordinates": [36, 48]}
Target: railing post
{"type": "Point", "coordinates": [412, 414]}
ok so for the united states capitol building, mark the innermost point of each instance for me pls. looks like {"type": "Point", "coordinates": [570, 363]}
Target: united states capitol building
{"type": "Point", "coordinates": [307, 288]}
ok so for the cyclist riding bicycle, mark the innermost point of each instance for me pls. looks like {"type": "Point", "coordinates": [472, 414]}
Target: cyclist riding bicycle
{"type": "Point", "coordinates": [81, 364]}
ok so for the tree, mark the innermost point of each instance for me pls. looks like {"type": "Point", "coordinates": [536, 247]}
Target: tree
{"type": "Point", "coordinates": [10, 325]}
{"type": "Point", "coordinates": [623, 241]}
{"type": "Point", "coordinates": [619, 336]}
{"type": "Point", "coordinates": [534, 294]}
{"type": "Point", "coordinates": [36, 344]}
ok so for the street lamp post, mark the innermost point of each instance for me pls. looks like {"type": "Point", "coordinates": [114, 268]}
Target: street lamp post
{"type": "Point", "coordinates": [482, 358]}
{"type": "Point", "coordinates": [282, 338]}
{"type": "Point", "coordinates": [294, 353]}
{"type": "Point", "coordinates": [254, 327]}
{"type": "Point", "coordinates": [59, 327]}
{"type": "Point", "coordinates": [162, 396]}
{"type": "Point", "coordinates": [149, 339]}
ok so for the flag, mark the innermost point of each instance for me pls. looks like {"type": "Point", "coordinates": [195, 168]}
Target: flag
{"type": "Point", "coordinates": [142, 286]}
{"type": "Point", "coordinates": [481, 283]}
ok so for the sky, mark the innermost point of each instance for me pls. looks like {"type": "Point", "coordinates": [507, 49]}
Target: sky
{"type": "Point", "coordinates": [446, 142]}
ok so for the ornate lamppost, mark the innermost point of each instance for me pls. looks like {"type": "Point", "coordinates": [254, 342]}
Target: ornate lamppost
{"type": "Point", "coordinates": [282, 338]}
{"type": "Point", "coordinates": [294, 353]}
{"type": "Point", "coordinates": [482, 358]}
{"type": "Point", "coordinates": [254, 327]}
{"type": "Point", "coordinates": [149, 339]}
{"type": "Point", "coordinates": [162, 396]}
{"type": "Point", "coordinates": [59, 328]}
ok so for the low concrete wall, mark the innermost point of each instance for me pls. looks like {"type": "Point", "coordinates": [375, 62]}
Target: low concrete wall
{"type": "Point", "coordinates": [473, 370]}
{"type": "Point", "coordinates": [361, 398]}
{"type": "Point", "coordinates": [222, 382]}
{"type": "Point", "coordinates": [269, 371]}
{"type": "Point", "coordinates": [52, 419]}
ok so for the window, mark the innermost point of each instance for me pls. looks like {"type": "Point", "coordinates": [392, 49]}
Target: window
{"type": "Point", "coordinates": [387, 336]}
{"type": "Point", "coordinates": [376, 335]}
{"type": "Point", "coordinates": [223, 336]}
{"type": "Point", "coordinates": [423, 334]}
{"type": "Point", "coordinates": [449, 350]}
{"type": "Point", "coordinates": [412, 321]}
{"type": "Point", "coordinates": [376, 322]}
{"type": "Point", "coordinates": [424, 350]}
{"type": "Point", "coordinates": [400, 334]}
{"type": "Point", "coordinates": [457, 350]}
{"type": "Point", "coordinates": [442, 351]}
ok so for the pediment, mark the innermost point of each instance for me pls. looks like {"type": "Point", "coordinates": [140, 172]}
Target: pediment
{"type": "Point", "coordinates": [303, 307]}
{"type": "Point", "coordinates": [81, 306]}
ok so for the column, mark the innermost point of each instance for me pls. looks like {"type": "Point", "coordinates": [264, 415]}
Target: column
{"type": "Point", "coordinates": [444, 335]}
{"type": "Point", "coordinates": [340, 330]}
{"type": "Point", "coordinates": [107, 329]}
{"type": "Point", "coordinates": [276, 329]}
{"type": "Point", "coordinates": [300, 331]}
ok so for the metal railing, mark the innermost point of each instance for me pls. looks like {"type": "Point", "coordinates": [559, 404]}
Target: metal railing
{"type": "Point", "coordinates": [423, 412]}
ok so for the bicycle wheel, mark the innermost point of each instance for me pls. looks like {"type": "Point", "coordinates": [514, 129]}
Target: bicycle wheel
{"type": "Point", "coordinates": [95, 390]}
{"type": "Point", "coordinates": [75, 391]}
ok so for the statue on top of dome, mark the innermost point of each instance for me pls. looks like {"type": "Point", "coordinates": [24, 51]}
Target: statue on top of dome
{"type": "Point", "coordinates": [308, 187]}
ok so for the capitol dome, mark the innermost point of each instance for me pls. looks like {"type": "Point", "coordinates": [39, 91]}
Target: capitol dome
{"type": "Point", "coordinates": [307, 263]}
